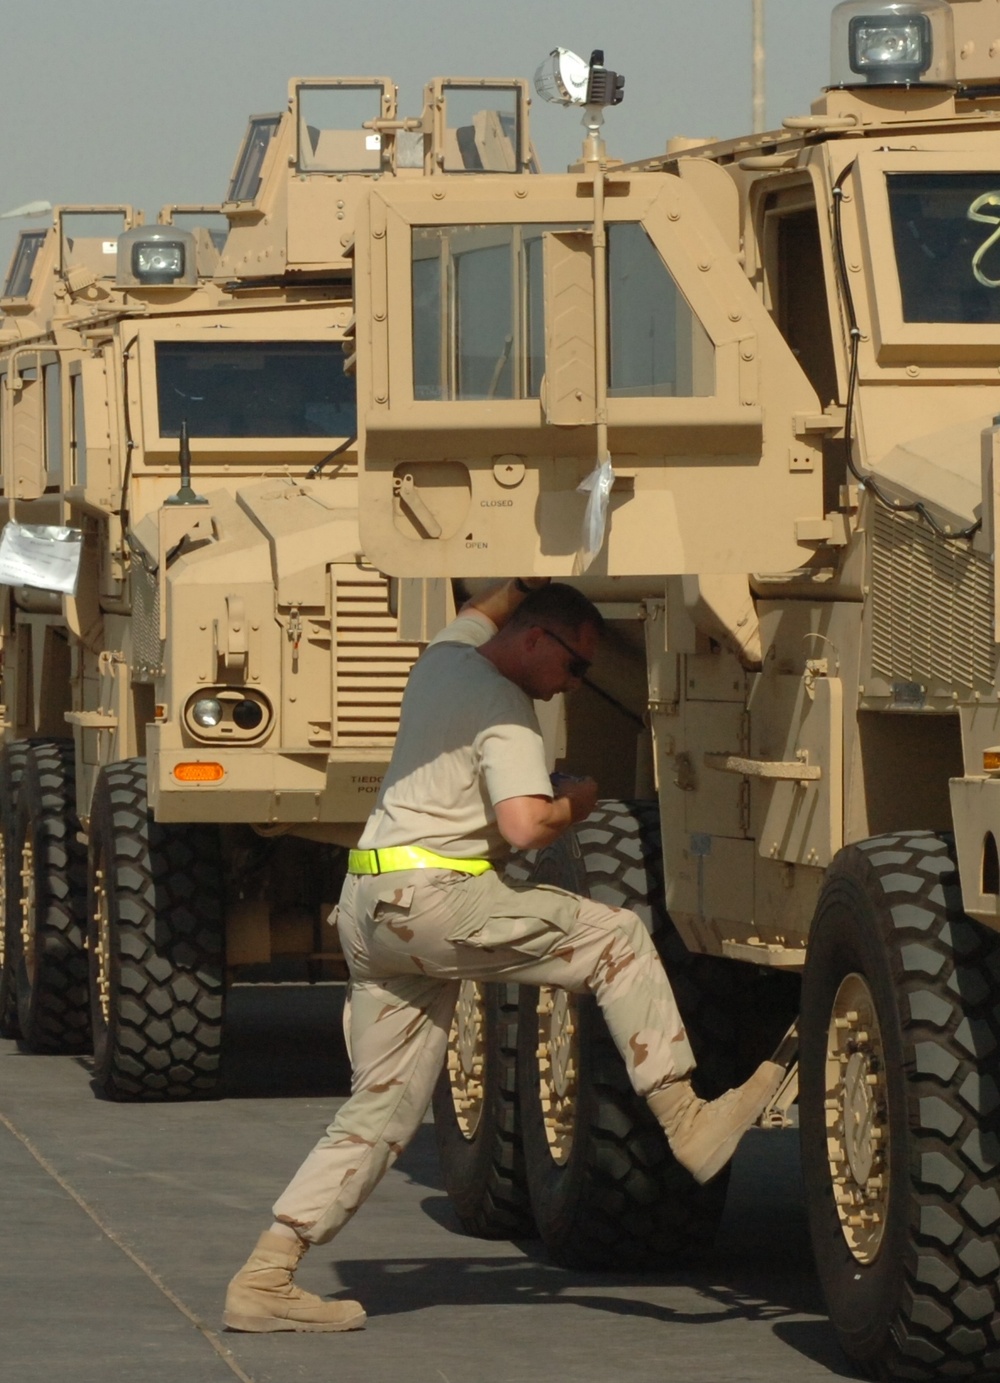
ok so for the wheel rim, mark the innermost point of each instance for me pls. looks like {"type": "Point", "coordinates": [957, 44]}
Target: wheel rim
{"type": "Point", "coordinates": [28, 909]}
{"type": "Point", "coordinates": [857, 1118]}
{"type": "Point", "coordinates": [558, 1065]}
{"type": "Point", "coordinates": [467, 1057]}
{"type": "Point", "coordinates": [102, 944]}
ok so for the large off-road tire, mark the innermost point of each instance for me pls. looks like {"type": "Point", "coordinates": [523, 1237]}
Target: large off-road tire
{"type": "Point", "coordinates": [900, 1113]}
{"type": "Point", "coordinates": [48, 882]}
{"type": "Point", "coordinates": [605, 1189]}
{"type": "Point", "coordinates": [11, 767]}
{"type": "Point", "coordinates": [476, 1117]}
{"type": "Point", "coordinates": [157, 972]}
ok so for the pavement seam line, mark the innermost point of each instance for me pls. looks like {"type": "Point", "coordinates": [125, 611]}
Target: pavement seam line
{"type": "Point", "coordinates": [206, 1330]}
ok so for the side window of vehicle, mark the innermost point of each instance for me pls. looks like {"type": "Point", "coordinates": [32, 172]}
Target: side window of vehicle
{"type": "Point", "coordinates": [478, 311]}
{"type": "Point", "coordinates": [657, 346]}
{"type": "Point", "coordinates": [796, 288]}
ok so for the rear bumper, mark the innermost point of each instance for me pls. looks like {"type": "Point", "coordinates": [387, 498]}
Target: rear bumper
{"type": "Point", "coordinates": [265, 787]}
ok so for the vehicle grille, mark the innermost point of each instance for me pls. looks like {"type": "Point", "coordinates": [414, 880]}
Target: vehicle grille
{"type": "Point", "coordinates": [932, 607]}
{"type": "Point", "coordinates": [369, 667]}
{"type": "Point", "coordinates": [147, 647]}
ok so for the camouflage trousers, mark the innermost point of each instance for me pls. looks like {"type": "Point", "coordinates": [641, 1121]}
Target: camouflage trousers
{"type": "Point", "coordinates": [410, 938]}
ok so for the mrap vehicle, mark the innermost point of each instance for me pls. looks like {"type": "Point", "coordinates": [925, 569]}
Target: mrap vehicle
{"type": "Point", "coordinates": [198, 717]}
{"type": "Point", "coordinates": [743, 393]}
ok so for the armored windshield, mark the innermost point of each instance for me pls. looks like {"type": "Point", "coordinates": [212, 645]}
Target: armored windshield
{"type": "Point", "coordinates": [23, 263]}
{"type": "Point", "coordinates": [946, 229]}
{"type": "Point", "coordinates": [246, 178]}
{"type": "Point", "coordinates": [332, 134]}
{"type": "Point", "coordinates": [479, 315]}
{"type": "Point", "coordinates": [481, 130]}
{"type": "Point", "coordinates": [254, 389]}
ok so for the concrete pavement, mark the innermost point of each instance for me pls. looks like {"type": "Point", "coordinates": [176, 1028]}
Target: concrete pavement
{"type": "Point", "coordinates": [123, 1223]}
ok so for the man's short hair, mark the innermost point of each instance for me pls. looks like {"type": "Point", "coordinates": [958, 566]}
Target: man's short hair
{"type": "Point", "coordinates": [557, 606]}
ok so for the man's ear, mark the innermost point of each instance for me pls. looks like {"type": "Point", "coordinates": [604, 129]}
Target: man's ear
{"type": "Point", "coordinates": [531, 637]}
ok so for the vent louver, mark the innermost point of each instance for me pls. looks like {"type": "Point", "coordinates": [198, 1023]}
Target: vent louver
{"type": "Point", "coordinates": [369, 667]}
{"type": "Point", "coordinates": [932, 607]}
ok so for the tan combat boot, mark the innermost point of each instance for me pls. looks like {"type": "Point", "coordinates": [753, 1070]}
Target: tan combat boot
{"type": "Point", "coordinates": [704, 1135]}
{"type": "Point", "coordinates": [262, 1295]}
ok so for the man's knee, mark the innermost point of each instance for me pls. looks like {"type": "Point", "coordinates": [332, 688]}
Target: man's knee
{"type": "Point", "coordinates": [622, 923]}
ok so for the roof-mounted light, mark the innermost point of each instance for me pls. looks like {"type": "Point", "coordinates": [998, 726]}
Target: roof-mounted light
{"type": "Point", "coordinates": [893, 43]}
{"type": "Point", "coordinates": [156, 257]}
{"type": "Point", "coordinates": [562, 78]}
{"type": "Point", "coordinates": [566, 79]}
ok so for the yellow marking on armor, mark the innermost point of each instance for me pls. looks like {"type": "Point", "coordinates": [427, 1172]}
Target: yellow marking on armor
{"type": "Point", "coordinates": [975, 213]}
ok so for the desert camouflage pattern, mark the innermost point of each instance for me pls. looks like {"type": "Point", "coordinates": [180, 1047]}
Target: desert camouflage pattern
{"type": "Point", "coordinates": [410, 939]}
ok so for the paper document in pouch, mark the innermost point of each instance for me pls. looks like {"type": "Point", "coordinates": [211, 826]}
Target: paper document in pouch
{"type": "Point", "coordinates": [40, 555]}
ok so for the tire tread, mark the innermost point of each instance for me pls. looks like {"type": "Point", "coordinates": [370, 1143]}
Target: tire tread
{"type": "Point", "coordinates": [163, 1041]}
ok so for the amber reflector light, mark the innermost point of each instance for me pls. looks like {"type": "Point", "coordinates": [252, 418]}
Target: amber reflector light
{"type": "Point", "coordinates": [991, 760]}
{"type": "Point", "coordinates": [199, 773]}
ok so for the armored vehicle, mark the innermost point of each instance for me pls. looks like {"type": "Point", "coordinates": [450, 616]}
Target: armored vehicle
{"type": "Point", "coordinates": [198, 716]}
{"type": "Point", "coordinates": [744, 393]}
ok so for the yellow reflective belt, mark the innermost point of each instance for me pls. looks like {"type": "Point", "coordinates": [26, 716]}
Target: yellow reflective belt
{"type": "Point", "coordinates": [409, 857]}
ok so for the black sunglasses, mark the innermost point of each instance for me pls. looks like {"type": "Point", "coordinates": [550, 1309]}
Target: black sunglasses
{"type": "Point", "coordinates": [578, 666]}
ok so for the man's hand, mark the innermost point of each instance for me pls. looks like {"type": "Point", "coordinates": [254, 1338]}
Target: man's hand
{"type": "Point", "coordinates": [529, 823]}
{"type": "Point", "coordinates": [499, 602]}
{"type": "Point", "coordinates": [581, 793]}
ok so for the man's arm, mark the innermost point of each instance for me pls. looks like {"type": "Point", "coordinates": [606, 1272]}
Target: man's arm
{"type": "Point", "coordinates": [529, 823]}
{"type": "Point", "coordinates": [498, 603]}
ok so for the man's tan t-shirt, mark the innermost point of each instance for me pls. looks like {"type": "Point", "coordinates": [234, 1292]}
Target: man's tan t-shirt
{"type": "Point", "coordinates": [468, 738]}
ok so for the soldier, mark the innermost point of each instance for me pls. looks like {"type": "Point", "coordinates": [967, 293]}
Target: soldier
{"type": "Point", "coordinates": [424, 908]}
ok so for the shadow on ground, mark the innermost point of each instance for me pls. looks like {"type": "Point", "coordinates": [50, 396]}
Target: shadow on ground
{"type": "Point", "coordinates": [285, 1040]}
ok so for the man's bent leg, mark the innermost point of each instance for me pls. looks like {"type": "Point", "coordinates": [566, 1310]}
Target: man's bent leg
{"type": "Point", "coordinates": [608, 951]}
{"type": "Point", "coordinates": [627, 978]}
{"type": "Point", "coordinates": [643, 1019]}
{"type": "Point", "coordinates": [399, 1034]}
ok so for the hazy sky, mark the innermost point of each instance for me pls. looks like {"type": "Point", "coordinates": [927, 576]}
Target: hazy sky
{"type": "Point", "coordinates": [145, 103]}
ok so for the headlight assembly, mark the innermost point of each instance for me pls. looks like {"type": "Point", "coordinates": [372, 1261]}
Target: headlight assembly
{"type": "Point", "coordinates": [207, 712]}
{"type": "Point", "coordinates": [234, 714]}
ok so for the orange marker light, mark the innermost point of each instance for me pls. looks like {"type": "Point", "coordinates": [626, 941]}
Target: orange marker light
{"type": "Point", "coordinates": [991, 760]}
{"type": "Point", "coordinates": [199, 773]}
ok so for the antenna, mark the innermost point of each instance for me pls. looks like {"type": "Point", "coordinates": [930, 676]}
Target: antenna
{"type": "Point", "coordinates": [185, 495]}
